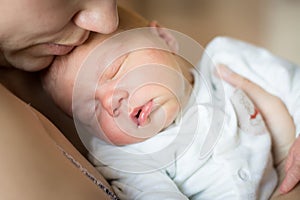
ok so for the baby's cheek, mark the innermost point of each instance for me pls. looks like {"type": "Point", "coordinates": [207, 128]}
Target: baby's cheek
{"type": "Point", "coordinates": [106, 128]}
{"type": "Point", "coordinates": [110, 132]}
{"type": "Point", "coordinates": [174, 110]}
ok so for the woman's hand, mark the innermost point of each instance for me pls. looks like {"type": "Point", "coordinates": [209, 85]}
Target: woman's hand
{"type": "Point", "coordinates": [279, 123]}
{"type": "Point", "coordinates": [292, 168]}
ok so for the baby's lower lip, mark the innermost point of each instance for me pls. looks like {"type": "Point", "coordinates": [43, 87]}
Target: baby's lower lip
{"type": "Point", "coordinates": [140, 114]}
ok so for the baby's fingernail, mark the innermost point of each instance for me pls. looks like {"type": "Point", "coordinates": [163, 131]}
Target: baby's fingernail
{"type": "Point", "coordinates": [224, 71]}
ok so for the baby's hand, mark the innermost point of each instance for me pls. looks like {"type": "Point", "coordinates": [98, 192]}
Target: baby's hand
{"type": "Point", "coordinates": [292, 168]}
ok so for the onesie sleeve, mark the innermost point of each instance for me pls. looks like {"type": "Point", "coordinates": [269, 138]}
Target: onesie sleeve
{"type": "Point", "coordinates": [141, 186]}
{"type": "Point", "coordinates": [131, 174]}
{"type": "Point", "coordinates": [276, 75]}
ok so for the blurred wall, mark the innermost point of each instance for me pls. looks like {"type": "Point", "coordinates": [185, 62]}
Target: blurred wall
{"type": "Point", "coordinates": [273, 24]}
{"type": "Point", "coordinates": [281, 30]}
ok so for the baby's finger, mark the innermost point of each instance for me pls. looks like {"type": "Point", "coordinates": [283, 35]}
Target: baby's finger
{"type": "Point", "coordinates": [249, 118]}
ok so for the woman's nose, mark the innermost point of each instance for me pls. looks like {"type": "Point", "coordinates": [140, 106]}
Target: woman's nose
{"type": "Point", "coordinates": [111, 100]}
{"type": "Point", "coordinates": [98, 16]}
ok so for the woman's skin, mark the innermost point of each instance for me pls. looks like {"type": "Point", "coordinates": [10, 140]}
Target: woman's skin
{"type": "Point", "coordinates": [32, 32]}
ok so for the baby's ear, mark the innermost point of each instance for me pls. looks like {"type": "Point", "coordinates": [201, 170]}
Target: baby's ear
{"type": "Point", "coordinates": [166, 36]}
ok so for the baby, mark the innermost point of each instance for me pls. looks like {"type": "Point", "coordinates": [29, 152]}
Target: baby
{"type": "Point", "coordinates": [161, 129]}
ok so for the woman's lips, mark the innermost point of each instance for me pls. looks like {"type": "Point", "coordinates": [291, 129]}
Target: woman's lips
{"type": "Point", "coordinates": [140, 114]}
{"type": "Point", "coordinates": [65, 46]}
{"type": "Point", "coordinates": [58, 49]}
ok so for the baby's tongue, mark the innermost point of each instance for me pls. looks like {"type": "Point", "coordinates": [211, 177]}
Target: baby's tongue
{"type": "Point", "coordinates": [146, 110]}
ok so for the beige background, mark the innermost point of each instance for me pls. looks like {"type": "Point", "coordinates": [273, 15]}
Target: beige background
{"type": "Point", "coordinates": [273, 24]}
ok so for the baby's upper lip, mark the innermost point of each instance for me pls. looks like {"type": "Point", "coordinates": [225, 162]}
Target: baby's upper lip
{"type": "Point", "coordinates": [140, 114]}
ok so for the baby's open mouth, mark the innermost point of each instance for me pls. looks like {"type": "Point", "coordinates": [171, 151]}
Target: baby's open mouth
{"type": "Point", "coordinates": [140, 114]}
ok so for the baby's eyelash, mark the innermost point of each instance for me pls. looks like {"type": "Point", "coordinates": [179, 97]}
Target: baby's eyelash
{"type": "Point", "coordinates": [112, 70]}
{"type": "Point", "coordinates": [116, 66]}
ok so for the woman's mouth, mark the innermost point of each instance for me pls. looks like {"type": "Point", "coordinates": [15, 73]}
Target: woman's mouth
{"type": "Point", "coordinates": [58, 49]}
{"type": "Point", "coordinates": [66, 45]}
{"type": "Point", "coordinates": [140, 114]}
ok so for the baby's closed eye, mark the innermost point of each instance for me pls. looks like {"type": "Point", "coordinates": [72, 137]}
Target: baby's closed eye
{"type": "Point", "coordinates": [112, 70]}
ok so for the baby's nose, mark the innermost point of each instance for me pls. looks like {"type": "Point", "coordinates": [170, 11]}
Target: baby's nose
{"type": "Point", "coordinates": [112, 100]}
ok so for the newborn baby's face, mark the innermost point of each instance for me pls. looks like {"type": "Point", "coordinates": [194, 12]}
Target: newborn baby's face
{"type": "Point", "coordinates": [137, 95]}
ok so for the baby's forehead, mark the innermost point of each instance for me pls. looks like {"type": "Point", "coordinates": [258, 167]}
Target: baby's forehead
{"type": "Point", "coordinates": [100, 51]}
{"type": "Point", "coordinates": [120, 43]}
{"type": "Point", "coordinates": [132, 39]}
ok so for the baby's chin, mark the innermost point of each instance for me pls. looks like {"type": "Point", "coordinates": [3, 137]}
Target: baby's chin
{"type": "Point", "coordinates": [121, 138]}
